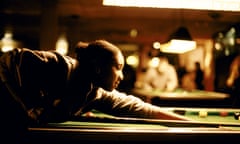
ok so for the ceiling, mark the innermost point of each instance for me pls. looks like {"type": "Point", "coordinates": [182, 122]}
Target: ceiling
{"type": "Point", "coordinates": [88, 20]}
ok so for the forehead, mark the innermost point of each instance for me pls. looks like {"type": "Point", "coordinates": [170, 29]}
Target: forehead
{"type": "Point", "coordinates": [119, 58]}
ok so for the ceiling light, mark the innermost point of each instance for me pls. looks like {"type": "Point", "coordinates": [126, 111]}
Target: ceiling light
{"type": "Point", "coordinates": [156, 45]}
{"type": "Point", "coordinates": [225, 5]}
{"type": "Point", "coordinates": [178, 46]}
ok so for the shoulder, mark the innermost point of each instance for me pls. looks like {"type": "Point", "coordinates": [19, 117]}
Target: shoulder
{"type": "Point", "coordinates": [171, 68]}
{"type": "Point", "coordinates": [40, 54]}
{"type": "Point", "coordinates": [45, 56]}
{"type": "Point", "coordinates": [103, 94]}
{"type": "Point", "coordinates": [25, 54]}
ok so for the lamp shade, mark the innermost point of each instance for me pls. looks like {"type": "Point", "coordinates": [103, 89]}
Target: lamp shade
{"type": "Point", "coordinates": [181, 33]}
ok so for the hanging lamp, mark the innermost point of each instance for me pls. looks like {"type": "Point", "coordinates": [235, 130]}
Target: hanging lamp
{"type": "Point", "coordinates": [180, 41]}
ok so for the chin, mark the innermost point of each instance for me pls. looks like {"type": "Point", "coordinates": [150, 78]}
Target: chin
{"type": "Point", "coordinates": [111, 89]}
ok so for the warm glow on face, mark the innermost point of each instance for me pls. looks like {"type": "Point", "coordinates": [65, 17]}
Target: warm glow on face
{"type": "Point", "coordinates": [178, 46]}
{"type": "Point", "coordinates": [225, 5]}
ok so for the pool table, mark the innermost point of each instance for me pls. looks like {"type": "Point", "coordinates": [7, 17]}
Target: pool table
{"type": "Point", "coordinates": [102, 128]}
{"type": "Point", "coordinates": [183, 98]}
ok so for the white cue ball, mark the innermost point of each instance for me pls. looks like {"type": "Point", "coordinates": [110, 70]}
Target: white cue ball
{"type": "Point", "coordinates": [203, 113]}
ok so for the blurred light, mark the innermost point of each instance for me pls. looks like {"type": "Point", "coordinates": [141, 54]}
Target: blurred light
{"type": "Point", "coordinates": [62, 45]}
{"type": "Point", "coordinates": [227, 52]}
{"type": "Point", "coordinates": [231, 41]}
{"type": "Point", "coordinates": [231, 32]}
{"type": "Point", "coordinates": [218, 46]}
{"type": "Point", "coordinates": [7, 42]}
{"type": "Point", "coordinates": [230, 37]}
{"type": "Point", "coordinates": [225, 5]}
{"type": "Point", "coordinates": [132, 60]}
{"type": "Point", "coordinates": [156, 45]}
{"type": "Point", "coordinates": [133, 33]}
{"type": "Point", "coordinates": [154, 62]}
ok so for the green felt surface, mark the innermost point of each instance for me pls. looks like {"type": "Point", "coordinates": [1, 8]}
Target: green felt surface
{"type": "Point", "coordinates": [213, 115]}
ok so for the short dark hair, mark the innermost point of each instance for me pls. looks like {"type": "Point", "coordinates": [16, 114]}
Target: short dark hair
{"type": "Point", "coordinates": [100, 52]}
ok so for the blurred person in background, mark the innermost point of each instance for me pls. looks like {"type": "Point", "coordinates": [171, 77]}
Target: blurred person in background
{"type": "Point", "coordinates": [188, 81]}
{"type": "Point", "coordinates": [162, 77]}
{"type": "Point", "coordinates": [199, 76]}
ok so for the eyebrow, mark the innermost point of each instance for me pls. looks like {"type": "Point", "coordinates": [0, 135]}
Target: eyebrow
{"type": "Point", "coordinates": [118, 65]}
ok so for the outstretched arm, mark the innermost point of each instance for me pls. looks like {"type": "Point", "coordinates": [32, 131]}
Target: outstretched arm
{"type": "Point", "coordinates": [120, 104]}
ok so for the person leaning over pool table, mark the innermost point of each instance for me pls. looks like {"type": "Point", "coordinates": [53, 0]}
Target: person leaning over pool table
{"type": "Point", "coordinates": [45, 86]}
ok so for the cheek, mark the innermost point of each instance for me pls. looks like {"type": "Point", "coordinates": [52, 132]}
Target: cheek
{"type": "Point", "coordinates": [109, 76]}
{"type": "Point", "coordinates": [112, 76]}
{"type": "Point", "coordinates": [113, 79]}
{"type": "Point", "coordinates": [110, 81]}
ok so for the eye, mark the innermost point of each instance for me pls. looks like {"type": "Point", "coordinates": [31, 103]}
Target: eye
{"type": "Point", "coordinates": [119, 66]}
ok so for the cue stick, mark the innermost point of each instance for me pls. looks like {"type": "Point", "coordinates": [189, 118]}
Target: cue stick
{"type": "Point", "coordinates": [170, 123]}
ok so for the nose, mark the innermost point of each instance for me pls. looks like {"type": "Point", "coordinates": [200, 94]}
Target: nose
{"type": "Point", "coordinates": [121, 76]}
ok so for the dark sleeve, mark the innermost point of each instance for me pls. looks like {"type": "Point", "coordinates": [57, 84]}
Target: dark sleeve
{"type": "Point", "coordinates": [38, 78]}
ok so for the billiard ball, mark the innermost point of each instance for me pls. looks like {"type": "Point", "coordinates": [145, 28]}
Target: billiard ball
{"type": "Point", "coordinates": [203, 113]}
{"type": "Point", "coordinates": [89, 114]}
{"type": "Point", "coordinates": [223, 113]}
{"type": "Point", "coordinates": [237, 115]}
